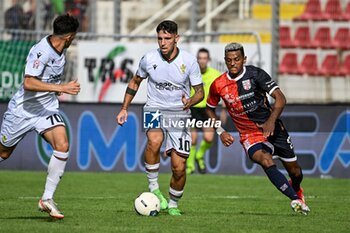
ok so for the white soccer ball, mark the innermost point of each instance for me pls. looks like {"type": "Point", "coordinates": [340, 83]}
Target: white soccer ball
{"type": "Point", "coordinates": [147, 204]}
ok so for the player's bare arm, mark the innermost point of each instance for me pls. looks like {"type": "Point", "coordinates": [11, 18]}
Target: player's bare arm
{"type": "Point", "coordinates": [226, 138]}
{"type": "Point", "coordinates": [195, 99]}
{"type": "Point", "coordinates": [268, 127]}
{"type": "Point", "coordinates": [130, 92]}
{"type": "Point", "coordinates": [32, 83]}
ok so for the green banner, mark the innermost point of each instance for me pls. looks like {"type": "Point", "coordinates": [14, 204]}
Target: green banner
{"type": "Point", "coordinates": [12, 59]}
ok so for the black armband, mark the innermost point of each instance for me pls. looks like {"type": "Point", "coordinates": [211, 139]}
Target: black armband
{"type": "Point", "coordinates": [130, 91]}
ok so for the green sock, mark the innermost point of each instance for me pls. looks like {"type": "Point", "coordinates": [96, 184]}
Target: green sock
{"type": "Point", "coordinates": [191, 157]}
{"type": "Point", "coordinates": [204, 146]}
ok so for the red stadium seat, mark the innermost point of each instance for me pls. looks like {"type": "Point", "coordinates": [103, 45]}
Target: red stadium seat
{"type": "Point", "coordinates": [333, 11]}
{"type": "Point", "coordinates": [289, 64]}
{"type": "Point", "coordinates": [302, 37]}
{"type": "Point", "coordinates": [346, 13]}
{"type": "Point", "coordinates": [341, 39]}
{"type": "Point", "coordinates": [330, 65]}
{"type": "Point", "coordinates": [285, 38]}
{"type": "Point", "coordinates": [309, 65]}
{"type": "Point", "coordinates": [323, 38]}
{"type": "Point", "coordinates": [345, 66]}
{"type": "Point", "coordinates": [312, 11]}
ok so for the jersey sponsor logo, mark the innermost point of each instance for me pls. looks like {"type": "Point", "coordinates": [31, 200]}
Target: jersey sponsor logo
{"type": "Point", "coordinates": [54, 78]}
{"type": "Point", "coordinates": [167, 86]}
{"type": "Point", "coordinates": [246, 84]}
{"type": "Point", "coordinates": [183, 68]}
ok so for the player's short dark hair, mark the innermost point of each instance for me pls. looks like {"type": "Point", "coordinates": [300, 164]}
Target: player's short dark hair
{"type": "Point", "coordinates": [234, 47]}
{"type": "Point", "coordinates": [64, 24]}
{"type": "Point", "coordinates": [203, 50]}
{"type": "Point", "coordinates": [167, 26]}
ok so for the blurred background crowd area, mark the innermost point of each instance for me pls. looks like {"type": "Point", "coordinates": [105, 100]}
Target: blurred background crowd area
{"type": "Point", "coordinates": [304, 44]}
{"type": "Point", "coordinates": [21, 14]}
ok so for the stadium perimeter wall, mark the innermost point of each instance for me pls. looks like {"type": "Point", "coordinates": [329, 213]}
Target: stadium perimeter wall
{"type": "Point", "coordinates": [320, 134]}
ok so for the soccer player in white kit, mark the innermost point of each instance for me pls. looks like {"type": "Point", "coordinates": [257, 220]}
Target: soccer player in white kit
{"type": "Point", "coordinates": [171, 72]}
{"type": "Point", "coordinates": [35, 105]}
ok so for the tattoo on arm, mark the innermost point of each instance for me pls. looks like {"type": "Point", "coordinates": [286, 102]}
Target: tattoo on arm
{"type": "Point", "coordinates": [198, 88]}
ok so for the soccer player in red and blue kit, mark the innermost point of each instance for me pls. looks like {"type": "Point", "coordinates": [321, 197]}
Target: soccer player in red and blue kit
{"type": "Point", "coordinates": [244, 90]}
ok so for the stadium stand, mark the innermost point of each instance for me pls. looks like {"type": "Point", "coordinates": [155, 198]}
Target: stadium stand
{"type": "Point", "coordinates": [309, 65]}
{"type": "Point", "coordinates": [302, 37]}
{"type": "Point", "coordinates": [312, 11]}
{"type": "Point", "coordinates": [322, 53]}
{"type": "Point", "coordinates": [345, 66]}
{"type": "Point", "coordinates": [289, 64]}
{"type": "Point", "coordinates": [347, 11]}
{"type": "Point", "coordinates": [330, 66]}
{"type": "Point", "coordinates": [341, 39]}
{"type": "Point", "coordinates": [333, 11]}
{"type": "Point", "coordinates": [285, 37]}
{"type": "Point", "coordinates": [322, 38]}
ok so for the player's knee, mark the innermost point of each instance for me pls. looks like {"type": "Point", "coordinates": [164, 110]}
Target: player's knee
{"type": "Point", "coordinates": [4, 155]}
{"type": "Point", "coordinates": [154, 143]}
{"type": "Point", "coordinates": [266, 162]}
{"type": "Point", "coordinates": [62, 146]}
{"type": "Point", "coordinates": [295, 173]}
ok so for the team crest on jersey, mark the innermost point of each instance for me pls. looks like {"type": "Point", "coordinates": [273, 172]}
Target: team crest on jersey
{"type": "Point", "coordinates": [246, 84]}
{"type": "Point", "coordinates": [183, 68]}
{"type": "Point", "coordinates": [36, 64]}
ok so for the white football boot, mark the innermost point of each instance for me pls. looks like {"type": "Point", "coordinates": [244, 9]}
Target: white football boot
{"type": "Point", "coordinates": [50, 207]}
{"type": "Point", "coordinates": [299, 206]}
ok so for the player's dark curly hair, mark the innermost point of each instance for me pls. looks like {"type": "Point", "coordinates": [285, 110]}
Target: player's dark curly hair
{"type": "Point", "coordinates": [64, 24]}
{"type": "Point", "coordinates": [167, 26]}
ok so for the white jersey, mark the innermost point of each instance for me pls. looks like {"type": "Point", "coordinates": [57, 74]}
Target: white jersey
{"type": "Point", "coordinates": [47, 64]}
{"type": "Point", "coordinates": [168, 80]}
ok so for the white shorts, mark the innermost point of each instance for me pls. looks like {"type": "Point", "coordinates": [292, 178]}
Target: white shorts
{"type": "Point", "coordinates": [177, 135]}
{"type": "Point", "coordinates": [14, 128]}
{"type": "Point", "coordinates": [180, 142]}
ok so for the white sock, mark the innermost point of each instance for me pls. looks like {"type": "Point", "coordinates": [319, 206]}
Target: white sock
{"type": "Point", "coordinates": [152, 171]}
{"type": "Point", "coordinates": [55, 171]}
{"type": "Point", "coordinates": [175, 197]}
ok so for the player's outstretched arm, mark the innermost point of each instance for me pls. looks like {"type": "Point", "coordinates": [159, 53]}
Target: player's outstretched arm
{"type": "Point", "coordinates": [130, 92]}
{"type": "Point", "coordinates": [32, 83]}
{"type": "Point", "coordinates": [226, 138]}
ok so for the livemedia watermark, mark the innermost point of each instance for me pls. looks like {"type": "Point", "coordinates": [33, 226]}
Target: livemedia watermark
{"type": "Point", "coordinates": [169, 120]}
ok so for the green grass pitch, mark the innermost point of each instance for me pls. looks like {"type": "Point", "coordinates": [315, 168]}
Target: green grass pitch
{"type": "Point", "coordinates": [103, 202]}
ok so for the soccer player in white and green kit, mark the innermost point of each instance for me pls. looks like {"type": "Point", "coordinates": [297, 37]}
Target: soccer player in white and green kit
{"type": "Point", "coordinates": [198, 113]}
{"type": "Point", "coordinates": [170, 73]}
{"type": "Point", "coordinates": [35, 105]}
